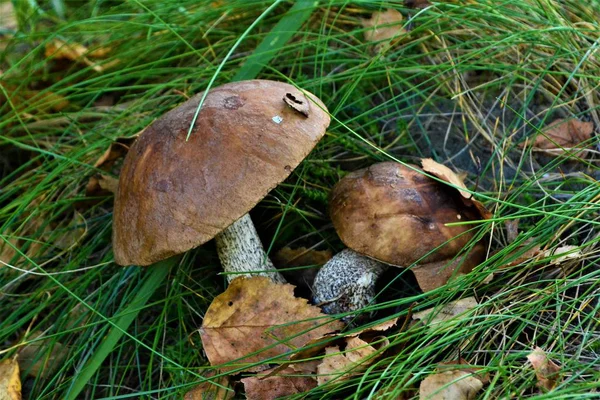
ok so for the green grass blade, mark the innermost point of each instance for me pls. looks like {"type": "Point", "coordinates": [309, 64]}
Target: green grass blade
{"type": "Point", "coordinates": [156, 276]}
{"type": "Point", "coordinates": [277, 37]}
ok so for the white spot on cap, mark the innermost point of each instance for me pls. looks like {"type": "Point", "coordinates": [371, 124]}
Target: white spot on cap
{"type": "Point", "coordinates": [277, 119]}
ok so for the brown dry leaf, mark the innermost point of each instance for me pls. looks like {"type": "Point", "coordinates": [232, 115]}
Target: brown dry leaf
{"type": "Point", "coordinates": [288, 257]}
{"type": "Point", "coordinates": [7, 252]}
{"type": "Point", "coordinates": [383, 25]}
{"type": "Point", "coordinates": [210, 391]}
{"type": "Point", "coordinates": [563, 133]}
{"type": "Point", "coordinates": [435, 316]}
{"type": "Point", "coordinates": [446, 174]}
{"type": "Point", "coordinates": [10, 382]}
{"type": "Point", "coordinates": [286, 383]}
{"type": "Point", "coordinates": [254, 313]}
{"type": "Point", "coordinates": [59, 49]}
{"type": "Point", "coordinates": [532, 252]}
{"type": "Point", "coordinates": [455, 385]}
{"type": "Point", "coordinates": [546, 371]}
{"type": "Point", "coordinates": [343, 365]}
{"type": "Point", "coordinates": [300, 257]}
{"type": "Point", "coordinates": [41, 358]}
{"type": "Point", "coordinates": [562, 254]}
{"type": "Point", "coordinates": [100, 185]}
{"type": "Point", "coordinates": [116, 150]}
{"type": "Point", "coordinates": [69, 232]}
{"type": "Point", "coordinates": [512, 229]}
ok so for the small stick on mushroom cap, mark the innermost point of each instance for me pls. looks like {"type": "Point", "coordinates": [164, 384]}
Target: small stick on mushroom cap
{"type": "Point", "coordinates": [175, 195]}
{"type": "Point", "coordinates": [398, 216]}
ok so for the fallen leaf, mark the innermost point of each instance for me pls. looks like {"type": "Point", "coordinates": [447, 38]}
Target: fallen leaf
{"type": "Point", "coordinates": [286, 383]}
{"type": "Point", "coordinates": [512, 229]}
{"type": "Point", "coordinates": [433, 275]}
{"type": "Point", "coordinates": [42, 357]}
{"type": "Point", "coordinates": [546, 371]}
{"type": "Point", "coordinates": [7, 252]}
{"type": "Point", "coordinates": [437, 315]}
{"type": "Point", "coordinates": [59, 49]}
{"type": "Point", "coordinates": [117, 150]}
{"type": "Point", "coordinates": [100, 185]}
{"type": "Point", "coordinates": [562, 254]}
{"type": "Point", "coordinates": [10, 383]}
{"type": "Point", "coordinates": [454, 385]}
{"type": "Point", "coordinates": [532, 250]}
{"type": "Point", "coordinates": [300, 257]}
{"type": "Point", "coordinates": [68, 233]}
{"type": "Point", "coordinates": [383, 25]}
{"type": "Point", "coordinates": [211, 391]}
{"type": "Point", "coordinates": [563, 134]}
{"type": "Point", "coordinates": [446, 174]}
{"type": "Point", "coordinates": [343, 365]}
{"type": "Point", "coordinates": [257, 315]}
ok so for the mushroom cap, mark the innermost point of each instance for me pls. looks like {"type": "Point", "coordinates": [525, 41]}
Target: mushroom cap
{"type": "Point", "coordinates": [397, 215]}
{"type": "Point", "coordinates": [174, 195]}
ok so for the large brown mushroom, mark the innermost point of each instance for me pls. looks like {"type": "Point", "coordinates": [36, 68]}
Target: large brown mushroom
{"type": "Point", "coordinates": [176, 194]}
{"type": "Point", "coordinates": [389, 214]}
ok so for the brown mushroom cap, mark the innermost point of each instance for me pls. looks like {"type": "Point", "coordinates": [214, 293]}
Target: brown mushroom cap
{"type": "Point", "coordinates": [175, 195]}
{"type": "Point", "coordinates": [396, 215]}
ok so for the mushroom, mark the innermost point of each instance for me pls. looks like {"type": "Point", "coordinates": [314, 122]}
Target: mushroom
{"type": "Point", "coordinates": [175, 194]}
{"type": "Point", "coordinates": [389, 214]}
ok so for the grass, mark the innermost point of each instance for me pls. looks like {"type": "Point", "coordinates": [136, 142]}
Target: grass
{"type": "Point", "coordinates": [467, 85]}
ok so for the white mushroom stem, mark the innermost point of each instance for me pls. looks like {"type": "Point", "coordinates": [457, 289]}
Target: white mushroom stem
{"type": "Point", "coordinates": [240, 250]}
{"type": "Point", "coordinates": [346, 283]}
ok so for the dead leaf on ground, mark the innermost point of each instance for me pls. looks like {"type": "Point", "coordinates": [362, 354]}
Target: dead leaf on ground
{"type": "Point", "coordinates": [286, 383]}
{"type": "Point", "coordinates": [455, 385]}
{"type": "Point", "coordinates": [383, 25]}
{"type": "Point", "coordinates": [300, 257]}
{"type": "Point", "coordinates": [563, 134]}
{"type": "Point", "coordinates": [8, 17]}
{"type": "Point", "coordinates": [357, 356]}
{"type": "Point", "coordinates": [42, 357]}
{"type": "Point", "coordinates": [33, 101]}
{"type": "Point", "coordinates": [59, 49]}
{"type": "Point", "coordinates": [256, 313]}
{"type": "Point", "coordinates": [10, 382]}
{"type": "Point", "coordinates": [101, 185]}
{"type": "Point", "coordinates": [211, 391]}
{"type": "Point", "coordinates": [117, 150]}
{"type": "Point", "coordinates": [562, 254]}
{"type": "Point", "coordinates": [8, 242]}
{"type": "Point", "coordinates": [437, 315]}
{"type": "Point", "coordinates": [512, 229]}
{"type": "Point", "coordinates": [532, 250]}
{"type": "Point", "coordinates": [546, 371]}
{"type": "Point", "coordinates": [446, 174]}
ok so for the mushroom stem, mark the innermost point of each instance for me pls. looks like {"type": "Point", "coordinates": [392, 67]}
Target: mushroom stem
{"type": "Point", "coordinates": [240, 250]}
{"type": "Point", "coordinates": [346, 283]}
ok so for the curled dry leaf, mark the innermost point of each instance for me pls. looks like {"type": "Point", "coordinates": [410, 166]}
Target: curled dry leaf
{"type": "Point", "coordinates": [256, 315]}
{"type": "Point", "coordinates": [211, 391]}
{"type": "Point", "coordinates": [455, 385]}
{"type": "Point", "coordinates": [512, 229]}
{"type": "Point", "coordinates": [383, 25]}
{"type": "Point", "coordinates": [100, 185]}
{"type": "Point", "coordinates": [563, 134]}
{"type": "Point", "coordinates": [546, 371]}
{"type": "Point", "coordinates": [286, 383]}
{"type": "Point", "coordinates": [446, 174]}
{"type": "Point", "coordinates": [10, 383]}
{"type": "Point", "coordinates": [435, 316]}
{"type": "Point", "coordinates": [343, 365]}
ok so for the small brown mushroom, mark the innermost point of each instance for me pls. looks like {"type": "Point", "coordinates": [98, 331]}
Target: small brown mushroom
{"type": "Point", "coordinates": [397, 216]}
{"type": "Point", "coordinates": [176, 194]}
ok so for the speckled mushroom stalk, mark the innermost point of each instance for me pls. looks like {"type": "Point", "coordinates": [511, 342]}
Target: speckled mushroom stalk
{"type": "Point", "coordinates": [388, 214]}
{"type": "Point", "coordinates": [346, 282]}
{"type": "Point", "coordinates": [241, 252]}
